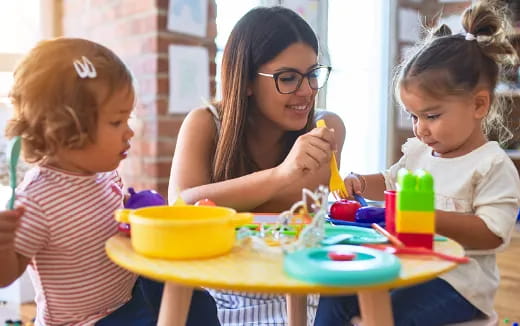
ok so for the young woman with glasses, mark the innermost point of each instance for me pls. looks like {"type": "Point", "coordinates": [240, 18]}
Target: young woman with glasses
{"type": "Point", "coordinates": [258, 147]}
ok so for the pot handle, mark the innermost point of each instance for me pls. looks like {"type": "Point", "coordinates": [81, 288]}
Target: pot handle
{"type": "Point", "coordinates": [240, 219]}
{"type": "Point", "coordinates": [121, 215]}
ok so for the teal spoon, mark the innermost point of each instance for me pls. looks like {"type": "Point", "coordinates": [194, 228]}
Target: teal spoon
{"type": "Point", "coordinates": [12, 155]}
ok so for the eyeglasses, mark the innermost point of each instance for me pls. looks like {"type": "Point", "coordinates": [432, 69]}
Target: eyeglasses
{"type": "Point", "coordinates": [289, 81]}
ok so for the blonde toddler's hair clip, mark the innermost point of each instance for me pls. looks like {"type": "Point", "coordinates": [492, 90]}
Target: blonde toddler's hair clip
{"type": "Point", "coordinates": [84, 68]}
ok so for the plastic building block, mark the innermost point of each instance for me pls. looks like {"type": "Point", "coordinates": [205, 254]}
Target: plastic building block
{"type": "Point", "coordinates": [415, 222]}
{"type": "Point", "coordinates": [415, 191]}
{"type": "Point", "coordinates": [416, 239]}
{"type": "Point", "coordinates": [415, 209]}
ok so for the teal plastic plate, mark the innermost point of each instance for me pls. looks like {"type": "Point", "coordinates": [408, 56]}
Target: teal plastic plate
{"type": "Point", "coordinates": [369, 267]}
{"type": "Point", "coordinates": [359, 235]}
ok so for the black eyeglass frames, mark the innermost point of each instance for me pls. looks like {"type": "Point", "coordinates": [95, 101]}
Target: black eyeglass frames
{"type": "Point", "coordinates": [289, 81]}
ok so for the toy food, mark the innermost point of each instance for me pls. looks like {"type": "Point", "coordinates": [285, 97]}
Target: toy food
{"type": "Point", "coordinates": [205, 202]}
{"type": "Point", "coordinates": [344, 210]}
{"type": "Point", "coordinates": [370, 215]}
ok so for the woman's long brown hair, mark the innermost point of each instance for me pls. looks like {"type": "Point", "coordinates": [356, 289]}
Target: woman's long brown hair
{"type": "Point", "coordinates": [256, 39]}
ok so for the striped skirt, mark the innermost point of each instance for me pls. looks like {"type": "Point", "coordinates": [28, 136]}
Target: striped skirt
{"type": "Point", "coordinates": [243, 308]}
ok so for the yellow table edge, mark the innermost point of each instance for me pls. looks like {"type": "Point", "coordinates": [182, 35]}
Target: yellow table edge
{"type": "Point", "coordinates": [114, 244]}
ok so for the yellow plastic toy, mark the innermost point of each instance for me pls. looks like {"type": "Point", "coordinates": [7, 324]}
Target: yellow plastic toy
{"type": "Point", "coordinates": [183, 232]}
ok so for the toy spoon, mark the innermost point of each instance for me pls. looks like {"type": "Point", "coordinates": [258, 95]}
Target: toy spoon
{"type": "Point", "coordinates": [12, 155]}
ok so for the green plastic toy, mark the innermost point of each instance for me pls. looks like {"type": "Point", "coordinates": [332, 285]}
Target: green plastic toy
{"type": "Point", "coordinates": [415, 191]}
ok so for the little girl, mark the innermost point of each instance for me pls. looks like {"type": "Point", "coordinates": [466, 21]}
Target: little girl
{"type": "Point", "coordinates": [72, 101]}
{"type": "Point", "coordinates": [447, 87]}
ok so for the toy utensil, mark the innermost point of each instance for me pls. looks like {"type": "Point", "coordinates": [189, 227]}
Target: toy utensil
{"type": "Point", "coordinates": [179, 201]}
{"type": "Point", "coordinates": [417, 251]}
{"type": "Point", "coordinates": [12, 154]}
{"type": "Point", "coordinates": [361, 200]}
{"type": "Point", "coordinates": [336, 184]}
{"type": "Point", "coordinates": [396, 242]}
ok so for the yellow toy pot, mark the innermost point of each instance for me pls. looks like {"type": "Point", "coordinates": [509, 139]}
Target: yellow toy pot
{"type": "Point", "coordinates": [182, 232]}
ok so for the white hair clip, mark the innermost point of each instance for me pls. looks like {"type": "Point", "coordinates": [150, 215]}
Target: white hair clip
{"type": "Point", "coordinates": [470, 37]}
{"type": "Point", "coordinates": [85, 68]}
{"type": "Point", "coordinates": [484, 38]}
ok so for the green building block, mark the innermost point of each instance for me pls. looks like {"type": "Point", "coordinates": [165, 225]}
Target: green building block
{"type": "Point", "coordinates": [415, 191]}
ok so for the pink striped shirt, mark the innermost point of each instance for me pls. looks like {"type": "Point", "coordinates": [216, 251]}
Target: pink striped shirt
{"type": "Point", "coordinates": [67, 220]}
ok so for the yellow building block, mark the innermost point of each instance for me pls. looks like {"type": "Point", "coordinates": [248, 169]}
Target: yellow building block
{"type": "Point", "coordinates": [415, 222]}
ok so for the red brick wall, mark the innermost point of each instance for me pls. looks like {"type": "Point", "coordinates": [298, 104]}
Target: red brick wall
{"type": "Point", "coordinates": [136, 31]}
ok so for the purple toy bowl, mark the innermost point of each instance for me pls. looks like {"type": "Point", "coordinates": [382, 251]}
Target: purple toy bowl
{"type": "Point", "coordinates": [143, 198]}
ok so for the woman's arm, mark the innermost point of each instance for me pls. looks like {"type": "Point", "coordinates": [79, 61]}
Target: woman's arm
{"type": "Point", "coordinates": [191, 168]}
{"type": "Point", "coordinates": [192, 165]}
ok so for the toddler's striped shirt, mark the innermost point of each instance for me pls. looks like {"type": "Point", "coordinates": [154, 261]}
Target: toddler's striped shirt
{"type": "Point", "coordinates": [67, 220]}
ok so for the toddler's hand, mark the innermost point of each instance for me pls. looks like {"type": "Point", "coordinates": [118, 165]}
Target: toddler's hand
{"type": "Point", "coordinates": [354, 184]}
{"type": "Point", "coordinates": [8, 224]}
{"type": "Point", "coordinates": [309, 152]}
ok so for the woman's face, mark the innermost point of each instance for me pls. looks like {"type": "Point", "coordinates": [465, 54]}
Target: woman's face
{"type": "Point", "coordinates": [287, 111]}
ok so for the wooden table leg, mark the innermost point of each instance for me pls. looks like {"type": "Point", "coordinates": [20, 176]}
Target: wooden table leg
{"type": "Point", "coordinates": [376, 308]}
{"type": "Point", "coordinates": [175, 304]}
{"type": "Point", "coordinates": [296, 309]}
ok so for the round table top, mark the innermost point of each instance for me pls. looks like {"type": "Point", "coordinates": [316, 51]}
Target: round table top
{"type": "Point", "coordinates": [245, 269]}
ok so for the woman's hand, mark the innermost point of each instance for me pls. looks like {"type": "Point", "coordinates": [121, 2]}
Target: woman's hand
{"type": "Point", "coordinates": [309, 152]}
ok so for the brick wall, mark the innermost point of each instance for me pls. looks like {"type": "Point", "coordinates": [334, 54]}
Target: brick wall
{"type": "Point", "coordinates": [136, 31]}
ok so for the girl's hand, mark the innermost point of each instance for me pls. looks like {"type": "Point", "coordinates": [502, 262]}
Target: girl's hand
{"type": "Point", "coordinates": [309, 152]}
{"type": "Point", "coordinates": [354, 184]}
{"type": "Point", "coordinates": [8, 224]}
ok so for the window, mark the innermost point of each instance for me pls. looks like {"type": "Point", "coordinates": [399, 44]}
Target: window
{"type": "Point", "coordinates": [20, 29]}
{"type": "Point", "coordinates": [228, 14]}
{"type": "Point", "coordinates": [359, 86]}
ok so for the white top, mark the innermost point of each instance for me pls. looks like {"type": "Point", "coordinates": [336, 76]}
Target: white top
{"type": "Point", "coordinates": [484, 182]}
{"type": "Point", "coordinates": [68, 218]}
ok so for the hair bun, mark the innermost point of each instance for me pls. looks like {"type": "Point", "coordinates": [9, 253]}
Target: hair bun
{"type": "Point", "coordinates": [442, 30]}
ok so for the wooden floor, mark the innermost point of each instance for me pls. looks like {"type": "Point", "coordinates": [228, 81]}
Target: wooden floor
{"type": "Point", "coordinates": [507, 303]}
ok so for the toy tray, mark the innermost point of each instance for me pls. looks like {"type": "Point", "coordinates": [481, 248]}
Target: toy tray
{"type": "Point", "coordinates": [362, 225]}
{"type": "Point", "coordinates": [360, 235]}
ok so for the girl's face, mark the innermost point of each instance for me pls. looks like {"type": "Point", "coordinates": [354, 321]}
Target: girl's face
{"type": "Point", "coordinates": [451, 126]}
{"type": "Point", "coordinates": [287, 111]}
{"type": "Point", "coordinates": [112, 139]}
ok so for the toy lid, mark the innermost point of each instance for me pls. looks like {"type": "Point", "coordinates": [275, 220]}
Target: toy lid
{"type": "Point", "coordinates": [368, 267]}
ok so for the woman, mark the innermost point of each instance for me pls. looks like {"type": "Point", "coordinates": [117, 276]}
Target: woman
{"type": "Point", "coordinates": [258, 148]}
